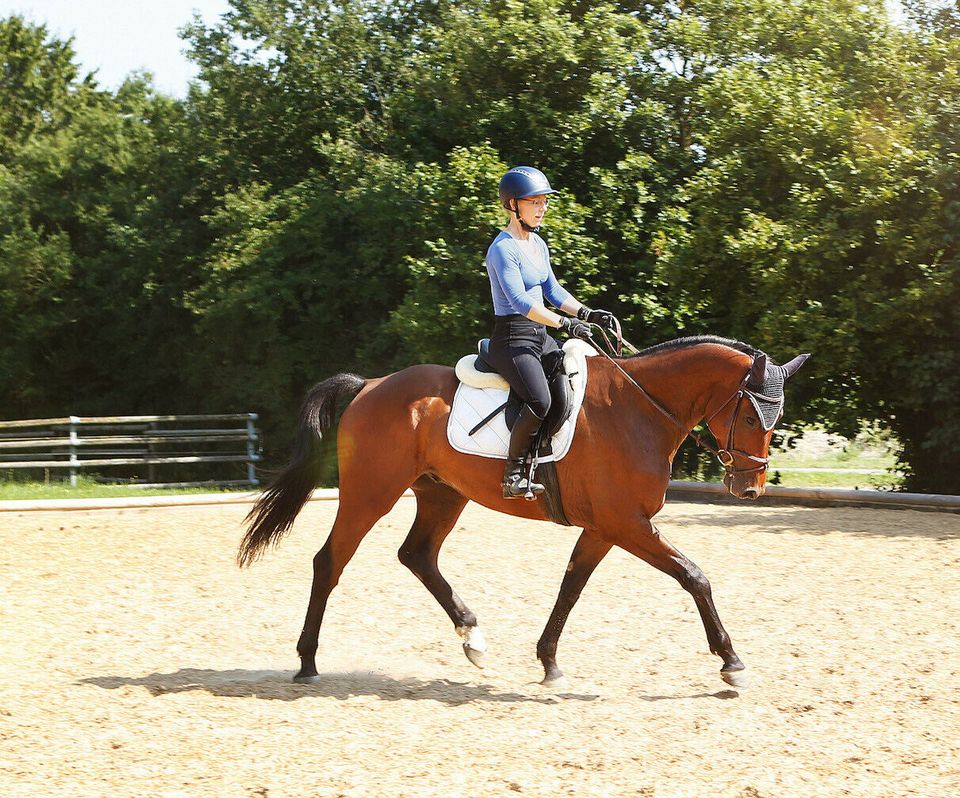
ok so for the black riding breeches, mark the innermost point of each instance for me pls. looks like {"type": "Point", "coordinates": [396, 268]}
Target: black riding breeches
{"type": "Point", "coordinates": [517, 345]}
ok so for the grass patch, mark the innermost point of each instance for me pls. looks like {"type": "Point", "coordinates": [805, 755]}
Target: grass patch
{"type": "Point", "coordinates": [818, 449]}
{"type": "Point", "coordinates": [817, 459]}
{"type": "Point", "coordinates": [837, 462]}
{"type": "Point", "coordinates": [16, 490]}
{"type": "Point", "coordinates": [834, 479]}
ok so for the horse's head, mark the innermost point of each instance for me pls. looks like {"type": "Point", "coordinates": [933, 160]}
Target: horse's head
{"type": "Point", "coordinates": [746, 421]}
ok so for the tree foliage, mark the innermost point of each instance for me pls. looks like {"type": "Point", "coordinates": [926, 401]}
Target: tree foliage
{"type": "Point", "coordinates": [782, 172]}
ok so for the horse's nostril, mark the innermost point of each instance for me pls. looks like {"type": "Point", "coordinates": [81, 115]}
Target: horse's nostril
{"type": "Point", "coordinates": [751, 493]}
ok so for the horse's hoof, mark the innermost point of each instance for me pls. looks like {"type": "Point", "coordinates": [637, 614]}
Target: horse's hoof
{"type": "Point", "coordinates": [555, 682]}
{"type": "Point", "coordinates": [474, 644]}
{"type": "Point", "coordinates": [735, 678]}
{"type": "Point", "coordinates": [477, 658]}
{"type": "Point", "coordinates": [307, 678]}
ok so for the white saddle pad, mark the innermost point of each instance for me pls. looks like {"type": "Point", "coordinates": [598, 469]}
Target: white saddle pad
{"type": "Point", "coordinates": [472, 405]}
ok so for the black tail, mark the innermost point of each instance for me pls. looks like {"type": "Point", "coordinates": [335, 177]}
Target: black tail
{"type": "Point", "coordinates": [274, 512]}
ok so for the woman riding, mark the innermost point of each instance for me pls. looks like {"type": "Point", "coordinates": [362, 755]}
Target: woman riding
{"type": "Point", "coordinates": [518, 263]}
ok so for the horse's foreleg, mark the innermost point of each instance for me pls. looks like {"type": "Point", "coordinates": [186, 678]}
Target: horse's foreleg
{"type": "Point", "coordinates": [438, 508]}
{"type": "Point", "coordinates": [650, 546]}
{"type": "Point", "coordinates": [586, 555]}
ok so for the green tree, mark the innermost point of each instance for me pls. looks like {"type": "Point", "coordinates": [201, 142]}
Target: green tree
{"type": "Point", "coordinates": [818, 221]}
{"type": "Point", "coordinates": [80, 263]}
{"type": "Point", "coordinates": [37, 78]}
{"type": "Point", "coordinates": [782, 172]}
{"type": "Point", "coordinates": [298, 284]}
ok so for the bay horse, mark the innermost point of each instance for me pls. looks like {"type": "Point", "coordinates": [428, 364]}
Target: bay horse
{"type": "Point", "coordinates": [635, 414]}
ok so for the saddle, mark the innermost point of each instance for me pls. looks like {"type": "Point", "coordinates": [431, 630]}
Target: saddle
{"type": "Point", "coordinates": [561, 391]}
{"type": "Point", "coordinates": [475, 423]}
{"type": "Point", "coordinates": [485, 409]}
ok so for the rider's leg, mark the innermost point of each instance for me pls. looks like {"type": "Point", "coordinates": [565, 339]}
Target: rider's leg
{"type": "Point", "coordinates": [524, 431]}
{"type": "Point", "coordinates": [515, 350]}
{"type": "Point", "coordinates": [531, 383]}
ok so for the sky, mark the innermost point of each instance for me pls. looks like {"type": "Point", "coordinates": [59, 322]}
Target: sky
{"type": "Point", "coordinates": [116, 37]}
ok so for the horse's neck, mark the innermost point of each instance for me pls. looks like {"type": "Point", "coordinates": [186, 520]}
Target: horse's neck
{"type": "Point", "coordinates": [690, 381]}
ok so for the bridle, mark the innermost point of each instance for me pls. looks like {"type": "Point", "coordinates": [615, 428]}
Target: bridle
{"type": "Point", "coordinates": [726, 455]}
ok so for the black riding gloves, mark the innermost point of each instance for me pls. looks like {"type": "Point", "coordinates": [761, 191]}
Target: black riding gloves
{"type": "Point", "coordinates": [603, 318]}
{"type": "Point", "coordinates": [575, 328]}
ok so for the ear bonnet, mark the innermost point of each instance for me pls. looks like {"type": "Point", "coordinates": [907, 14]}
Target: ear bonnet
{"type": "Point", "coordinates": [765, 387]}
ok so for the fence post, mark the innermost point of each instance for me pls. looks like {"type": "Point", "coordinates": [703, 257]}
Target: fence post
{"type": "Point", "coordinates": [74, 460]}
{"type": "Point", "coordinates": [251, 449]}
{"type": "Point", "coordinates": [151, 450]}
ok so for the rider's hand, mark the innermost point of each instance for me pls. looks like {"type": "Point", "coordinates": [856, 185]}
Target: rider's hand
{"type": "Point", "coordinates": [602, 318]}
{"type": "Point", "coordinates": [575, 328]}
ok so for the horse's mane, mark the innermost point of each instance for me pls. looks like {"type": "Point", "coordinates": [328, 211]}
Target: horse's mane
{"type": "Point", "coordinates": [694, 340]}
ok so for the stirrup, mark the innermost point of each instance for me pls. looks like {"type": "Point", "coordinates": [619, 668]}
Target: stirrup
{"type": "Point", "coordinates": [522, 489]}
{"type": "Point", "coordinates": [516, 485]}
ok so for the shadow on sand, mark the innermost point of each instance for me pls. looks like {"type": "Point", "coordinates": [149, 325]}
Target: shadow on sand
{"type": "Point", "coordinates": [869, 522]}
{"type": "Point", "coordinates": [277, 686]}
{"type": "Point", "coordinates": [724, 695]}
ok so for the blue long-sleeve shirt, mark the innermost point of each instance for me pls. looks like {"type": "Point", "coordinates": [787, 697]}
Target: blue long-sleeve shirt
{"type": "Point", "coordinates": [519, 282]}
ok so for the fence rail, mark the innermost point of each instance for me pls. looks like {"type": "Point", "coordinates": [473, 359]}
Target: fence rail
{"type": "Point", "coordinates": [79, 442]}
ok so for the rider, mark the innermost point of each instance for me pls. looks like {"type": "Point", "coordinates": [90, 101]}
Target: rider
{"type": "Point", "coordinates": [518, 263]}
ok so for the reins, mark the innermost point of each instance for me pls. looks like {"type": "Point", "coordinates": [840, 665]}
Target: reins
{"type": "Point", "coordinates": [725, 456]}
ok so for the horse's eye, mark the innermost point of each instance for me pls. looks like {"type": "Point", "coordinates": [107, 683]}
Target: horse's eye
{"type": "Point", "coordinates": [750, 421]}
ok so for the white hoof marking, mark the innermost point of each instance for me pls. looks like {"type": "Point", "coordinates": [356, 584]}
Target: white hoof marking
{"type": "Point", "coordinates": [735, 678]}
{"type": "Point", "coordinates": [474, 644]}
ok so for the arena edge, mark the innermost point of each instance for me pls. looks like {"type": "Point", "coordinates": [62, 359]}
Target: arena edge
{"type": "Point", "coordinates": [712, 492]}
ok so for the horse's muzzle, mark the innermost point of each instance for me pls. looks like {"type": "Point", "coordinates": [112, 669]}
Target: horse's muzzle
{"type": "Point", "coordinates": [744, 486]}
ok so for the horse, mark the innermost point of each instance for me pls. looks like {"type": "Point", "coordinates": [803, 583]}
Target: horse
{"type": "Point", "coordinates": [635, 414]}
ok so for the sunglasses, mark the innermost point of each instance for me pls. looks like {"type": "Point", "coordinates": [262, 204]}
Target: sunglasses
{"type": "Point", "coordinates": [539, 202]}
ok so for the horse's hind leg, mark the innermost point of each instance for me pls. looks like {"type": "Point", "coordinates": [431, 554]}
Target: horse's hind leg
{"type": "Point", "coordinates": [586, 556]}
{"type": "Point", "coordinates": [650, 546]}
{"type": "Point", "coordinates": [438, 508]}
{"type": "Point", "coordinates": [356, 514]}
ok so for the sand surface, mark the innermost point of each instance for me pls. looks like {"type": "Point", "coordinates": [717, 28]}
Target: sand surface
{"type": "Point", "coordinates": [137, 660]}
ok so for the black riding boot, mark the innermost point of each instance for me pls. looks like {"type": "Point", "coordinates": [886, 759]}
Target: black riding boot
{"type": "Point", "coordinates": [515, 482]}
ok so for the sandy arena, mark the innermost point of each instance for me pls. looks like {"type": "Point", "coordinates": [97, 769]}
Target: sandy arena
{"type": "Point", "coordinates": [138, 660]}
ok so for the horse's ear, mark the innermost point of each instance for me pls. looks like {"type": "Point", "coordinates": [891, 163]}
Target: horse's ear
{"type": "Point", "coordinates": [758, 372]}
{"type": "Point", "coordinates": [789, 369]}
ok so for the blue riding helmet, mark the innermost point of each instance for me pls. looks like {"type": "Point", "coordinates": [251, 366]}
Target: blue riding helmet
{"type": "Point", "coordinates": [522, 182]}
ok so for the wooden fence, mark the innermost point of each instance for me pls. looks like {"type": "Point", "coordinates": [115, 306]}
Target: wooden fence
{"type": "Point", "coordinates": [75, 443]}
